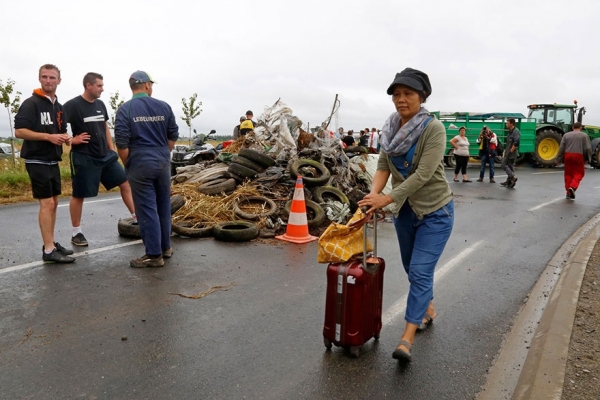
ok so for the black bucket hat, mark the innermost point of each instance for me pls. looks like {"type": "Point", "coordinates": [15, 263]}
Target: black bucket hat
{"type": "Point", "coordinates": [414, 79]}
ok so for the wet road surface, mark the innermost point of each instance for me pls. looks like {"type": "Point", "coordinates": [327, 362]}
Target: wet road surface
{"type": "Point", "coordinates": [100, 329]}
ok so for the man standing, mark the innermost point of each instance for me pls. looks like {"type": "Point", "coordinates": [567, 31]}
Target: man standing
{"type": "Point", "coordinates": [236, 130]}
{"type": "Point", "coordinates": [145, 133]}
{"type": "Point", "coordinates": [363, 140]}
{"type": "Point", "coordinates": [349, 140]}
{"type": "Point", "coordinates": [93, 157]}
{"type": "Point", "coordinates": [40, 123]}
{"type": "Point", "coordinates": [510, 154]}
{"type": "Point", "coordinates": [373, 141]}
{"type": "Point", "coordinates": [575, 150]}
{"type": "Point", "coordinates": [487, 152]}
{"type": "Point", "coordinates": [249, 116]}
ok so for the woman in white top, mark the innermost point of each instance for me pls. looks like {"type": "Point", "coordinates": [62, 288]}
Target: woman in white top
{"type": "Point", "coordinates": [461, 154]}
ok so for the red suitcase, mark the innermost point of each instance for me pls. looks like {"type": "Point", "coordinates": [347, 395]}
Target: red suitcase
{"type": "Point", "coordinates": [354, 299]}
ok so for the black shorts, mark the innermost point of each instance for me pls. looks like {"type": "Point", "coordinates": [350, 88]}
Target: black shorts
{"type": "Point", "coordinates": [45, 180]}
{"type": "Point", "coordinates": [88, 172]}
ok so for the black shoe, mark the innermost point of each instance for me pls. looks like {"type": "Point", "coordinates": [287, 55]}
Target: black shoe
{"type": "Point", "coordinates": [62, 250]}
{"type": "Point", "coordinates": [504, 183]}
{"type": "Point", "coordinates": [79, 240]}
{"type": "Point", "coordinates": [492, 180]}
{"type": "Point", "coordinates": [513, 182]}
{"type": "Point", "coordinates": [572, 193]}
{"type": "Point", "coordinates": [56, 257]}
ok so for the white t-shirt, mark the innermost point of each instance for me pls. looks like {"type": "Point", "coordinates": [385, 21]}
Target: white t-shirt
{"type": "Point", "coordinates": [373, 139]}
{"type": "Point", "coordinates": [463, 146]}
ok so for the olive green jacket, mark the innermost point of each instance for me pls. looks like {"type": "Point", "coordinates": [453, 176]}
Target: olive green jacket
{"type": "Point", "coordinates": [425, 187]}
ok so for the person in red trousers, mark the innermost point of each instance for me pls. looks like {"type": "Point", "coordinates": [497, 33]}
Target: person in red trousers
{"type": "Point", "coordinates": [575, 150]}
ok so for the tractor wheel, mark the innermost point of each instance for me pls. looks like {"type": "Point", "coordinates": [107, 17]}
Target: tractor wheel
{"type": "Point", "coordinates": [595, 161]}
{"type": "Point", "coordinates": [546, 147]}
{"type": "Point", "coordinates": [450, 160]}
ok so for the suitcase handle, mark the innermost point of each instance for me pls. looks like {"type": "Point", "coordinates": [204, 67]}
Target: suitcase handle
{"type": "Point", "coordinates": [370, 264]}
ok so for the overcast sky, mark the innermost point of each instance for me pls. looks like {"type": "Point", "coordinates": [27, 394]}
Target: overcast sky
{"type": "Point", "coordinates": [237, 55]}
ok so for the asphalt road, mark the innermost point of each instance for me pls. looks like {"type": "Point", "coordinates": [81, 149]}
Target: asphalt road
{"type": "Point", "coordinates": [63, 328]}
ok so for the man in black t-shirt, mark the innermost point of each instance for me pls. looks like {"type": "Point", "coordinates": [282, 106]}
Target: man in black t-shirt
{"type": "Point", "coordinates": [40, 123]}
{"type": "Point", "coordinates": [93, 157]}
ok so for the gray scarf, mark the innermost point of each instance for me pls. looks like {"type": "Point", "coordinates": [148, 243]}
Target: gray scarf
{"type": "Point", "coordinates": [396, 141]}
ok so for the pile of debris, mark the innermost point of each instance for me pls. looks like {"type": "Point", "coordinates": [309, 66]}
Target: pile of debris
{"type": "Point", "coordinates": [247, 191]}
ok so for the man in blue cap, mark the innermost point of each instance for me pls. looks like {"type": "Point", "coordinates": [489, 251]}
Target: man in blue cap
{"type": "Point", "coordinates": [145, 133]}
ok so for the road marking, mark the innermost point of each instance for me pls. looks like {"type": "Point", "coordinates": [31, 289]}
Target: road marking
{"type": "Point", "coordinates": [542, 173]}
{"type": "Point", "coordinates": [545, 204]}
{"type": "Point", "coordinates": [93, 201]}
{"type": "Point", "coordinates": [400, 305]}
{"type": "Point", "coordinates": [85, 253]}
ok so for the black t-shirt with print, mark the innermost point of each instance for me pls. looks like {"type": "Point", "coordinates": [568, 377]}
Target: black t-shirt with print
{"type": "Point", "coordinates": [84, 116]}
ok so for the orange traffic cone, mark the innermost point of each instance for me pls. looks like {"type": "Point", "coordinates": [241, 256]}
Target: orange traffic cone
{"type": "Point", "coordinates": [297, 227]}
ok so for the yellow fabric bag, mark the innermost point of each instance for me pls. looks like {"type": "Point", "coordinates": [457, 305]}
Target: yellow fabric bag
{"type": "Point", "coordinates": [339, 243]}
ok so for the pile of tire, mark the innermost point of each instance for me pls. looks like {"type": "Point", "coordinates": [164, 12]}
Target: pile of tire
{"type": "Point", "coordinates": [315, 177]}
{"type": "Point", "coordinates": [248, 163]}
{"type": "Point", "coordinates": [215, 181]}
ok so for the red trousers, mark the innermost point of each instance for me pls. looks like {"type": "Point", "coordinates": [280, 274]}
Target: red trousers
{"type": "Point", "coordinates": [574, 170]}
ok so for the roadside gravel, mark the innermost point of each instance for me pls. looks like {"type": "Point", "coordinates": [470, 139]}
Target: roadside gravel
{"type": "Point", "coordinates": [582, 375]}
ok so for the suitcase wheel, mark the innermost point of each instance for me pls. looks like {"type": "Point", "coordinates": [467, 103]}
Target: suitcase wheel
{"type": "Point", "coordinates": [327, 343]}
{"type": "Point", "coordinates": [354, 350]}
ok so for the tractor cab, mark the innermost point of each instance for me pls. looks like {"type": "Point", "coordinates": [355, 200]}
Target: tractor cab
{"type": "Point", "coordinates": [560, 116]}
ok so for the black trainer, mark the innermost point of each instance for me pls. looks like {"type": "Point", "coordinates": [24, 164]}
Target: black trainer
{"type": "Point", "coordinates": [62, 250]}
{"type": "Point", "coordinates": [513, 182]}
{"type": "Point", "coordinates": [572, 193]}
{"type": "Point", "coordinates": [56, 257]}
{"type": "Point", "coordinates": [79, 240]}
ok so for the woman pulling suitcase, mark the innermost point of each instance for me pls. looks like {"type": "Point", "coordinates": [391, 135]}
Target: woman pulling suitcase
{"type": "Point", "coordinates": [412, 150]}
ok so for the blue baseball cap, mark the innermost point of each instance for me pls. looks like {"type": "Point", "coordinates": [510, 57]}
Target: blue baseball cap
{"type": "Point", "coordinates": [140, 77]}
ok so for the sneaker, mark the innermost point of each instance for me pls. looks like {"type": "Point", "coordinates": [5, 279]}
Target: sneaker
{"type": "Point", "coordinates": [513, 182]}
{"type": "Point", "coordinates": [504, 183]}
{"type": "Point", "coordinates": [480, 180]}
{"type": "Point", "coordinates": [62, 250]}
{"type": "Point", "coordinates": [146, 261]}
{"type": "Point", "coordinates": [56, 257]}
{"type": "Point", "coordinates": [492, 180]}
{"type": "Point", "coordinates": [168, 253]}
{"type": "Point", "coordinates": [572, 193]}
{"type": "Point", "coordinates": [79, 240]}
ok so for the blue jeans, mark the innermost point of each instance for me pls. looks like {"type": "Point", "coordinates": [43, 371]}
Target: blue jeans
{"type": "Point", "coordinates": [487, 158]}
{"type": "Point", "coordinates": [149, 174]}
{"type": "Point", "coordinates": [421, 245]}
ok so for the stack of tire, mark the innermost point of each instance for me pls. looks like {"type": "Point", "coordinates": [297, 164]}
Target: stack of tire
{"type": "Point", "coordinates": [249, 163]}
{"type": "Point", "coordinates": [315, 177]}
{"type": "Point", "coordinates": [215, 181]}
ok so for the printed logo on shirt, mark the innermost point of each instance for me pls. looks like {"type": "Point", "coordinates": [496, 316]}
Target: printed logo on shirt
{"type": "Point", "coordinates": [46, 118]}
{"type": "Point", "coordinates": [149, 119]}
{"type": "Point", "coordinates": [94, 118]}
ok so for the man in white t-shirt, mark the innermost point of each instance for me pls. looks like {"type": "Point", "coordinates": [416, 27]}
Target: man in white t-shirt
{"type": "Point", "coordinates": [373, 141]}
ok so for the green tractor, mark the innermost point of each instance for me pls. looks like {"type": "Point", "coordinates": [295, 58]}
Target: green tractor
{"type": "Point", "coordinates": [552, 122]}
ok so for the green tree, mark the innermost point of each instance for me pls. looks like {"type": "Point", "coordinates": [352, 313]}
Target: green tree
{"type": "Point", "coordinates": [115, 103]}
{"type": "Point", "coordinates": [190, 111]}
{"type": "Point", "coordinates": [12, 106]}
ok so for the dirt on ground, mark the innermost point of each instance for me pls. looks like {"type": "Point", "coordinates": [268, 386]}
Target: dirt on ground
{"type": "Point", "coordinates": [582, 377]}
